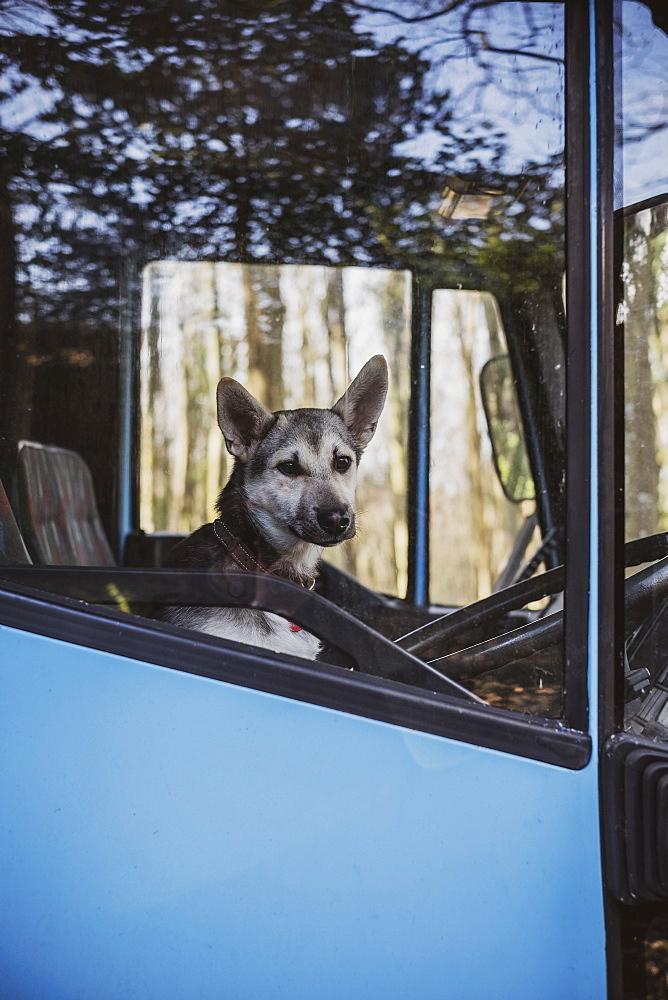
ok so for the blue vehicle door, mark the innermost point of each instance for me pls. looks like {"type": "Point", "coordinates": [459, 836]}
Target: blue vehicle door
{"type": "Point", "coordinates": [275, 193]}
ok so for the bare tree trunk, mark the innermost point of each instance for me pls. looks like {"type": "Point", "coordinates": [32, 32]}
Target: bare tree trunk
{"type": "Point", "coordinates": [480, 536]}
{"type": "Point", "coordinates": [333, 308]}
{"type": "Point", "coordinates": [265, 314]}
{"type": "Point", "coordinates": [309, 353]}
{"type": "Point", "coordinates": [175, 326]}
{"type": "Point", "coordinates": [398, 340]}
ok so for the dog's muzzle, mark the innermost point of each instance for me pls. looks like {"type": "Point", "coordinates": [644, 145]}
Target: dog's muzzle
{"type": "Point", "coordinates": [332, 525]}
{"type": "Point", "coordinates": [335, 522]}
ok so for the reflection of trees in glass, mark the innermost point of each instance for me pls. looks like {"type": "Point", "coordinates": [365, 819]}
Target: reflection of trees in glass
{"type": "Point", "coordinates": [198, 129]}
{"type": "Point", "coordinates": [284, 132]}
{"type": "Point", "coordinates": [207, 130]}
{"type": "Point", "coordinates": [304, 131]}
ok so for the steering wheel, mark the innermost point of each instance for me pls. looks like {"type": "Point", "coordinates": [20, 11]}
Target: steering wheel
{"type": "Point", "coordinates": [643, 591]}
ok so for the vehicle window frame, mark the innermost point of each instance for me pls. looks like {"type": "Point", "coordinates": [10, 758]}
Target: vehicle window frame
{"type": "Point", "coordinates": [555, 741]}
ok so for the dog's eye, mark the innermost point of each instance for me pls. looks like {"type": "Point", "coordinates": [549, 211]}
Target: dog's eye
{"type": "Point", "coordinates": [289, 468]}
{"type": "Point", "coordinates": [342, 463]}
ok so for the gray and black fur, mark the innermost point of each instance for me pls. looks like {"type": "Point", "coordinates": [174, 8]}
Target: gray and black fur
{"type": "Point", "coordinates": [291, 494]}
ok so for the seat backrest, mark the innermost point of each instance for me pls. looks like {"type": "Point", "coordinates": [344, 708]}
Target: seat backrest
{"type": "Point", "coordinates": [12, 549]}
{"type": "Point", "coordinates": [57, 508]}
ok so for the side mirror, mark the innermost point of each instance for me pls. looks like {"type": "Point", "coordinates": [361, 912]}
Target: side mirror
{"type": "Point", "coordinates": [497, 388]}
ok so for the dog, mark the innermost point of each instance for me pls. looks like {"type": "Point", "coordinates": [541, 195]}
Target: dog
{"type": "Point", "coordinates": [290, 495]}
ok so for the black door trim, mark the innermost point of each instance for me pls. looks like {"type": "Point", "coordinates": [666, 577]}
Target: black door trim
{"type": "Point", "coordinates": [291, 677]}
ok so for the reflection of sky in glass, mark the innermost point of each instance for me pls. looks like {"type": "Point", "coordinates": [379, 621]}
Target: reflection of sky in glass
{"type": "Point", "coordinates": [497, 65]}
{"type": "Point", "coordinates": [500, 65]}
{"type": "Point", "coordinates": [22, 99]}
{"type": "Point", "coordinates": [491, 102]}
{"type": "Point", "coordinates": [644, 107]}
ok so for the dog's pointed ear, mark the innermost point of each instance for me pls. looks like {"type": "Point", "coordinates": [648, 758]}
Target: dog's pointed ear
{"type": "Point", "coordinates": [361, 404]}
{"type": "Point", "coordinates": [241, 418]}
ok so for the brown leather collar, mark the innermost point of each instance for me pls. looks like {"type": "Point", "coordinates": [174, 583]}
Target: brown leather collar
{"type": "Point", "coordinates": [237, 550]}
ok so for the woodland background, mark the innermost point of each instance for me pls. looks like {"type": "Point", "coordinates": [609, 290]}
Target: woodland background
{"type": "Point", "coordinates": [295, 336]}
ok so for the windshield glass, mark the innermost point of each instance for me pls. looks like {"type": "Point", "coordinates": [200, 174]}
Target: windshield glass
{"type": "Point", "coordinates": [276, 194]}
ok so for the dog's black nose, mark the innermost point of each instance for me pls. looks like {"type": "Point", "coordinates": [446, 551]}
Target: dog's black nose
{"type": "Point", "coordinates": [334, 521]}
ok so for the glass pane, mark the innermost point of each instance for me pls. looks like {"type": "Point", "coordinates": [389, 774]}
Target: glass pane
{"type": "Point", "coordinates": [275, 194]}
{"type": "Point", "coordinates": [473, 524]}
{"type": "Point", "coordinates": [642, 228]}
{"type": "Point", "coordinates": [294, 336]}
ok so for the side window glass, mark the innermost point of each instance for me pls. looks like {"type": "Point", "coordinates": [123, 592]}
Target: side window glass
{"type": "Point", "coordinates": [642, 234]}
{"type": "Point", "coordinates": [482, 501]}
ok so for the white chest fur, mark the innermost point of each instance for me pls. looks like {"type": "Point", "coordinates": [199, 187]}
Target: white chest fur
{"type": "Point", "coordinates": [281, 636]}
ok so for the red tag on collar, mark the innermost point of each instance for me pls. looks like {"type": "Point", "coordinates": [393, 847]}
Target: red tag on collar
{"type": "Point", "coordinates": [295, 628]}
